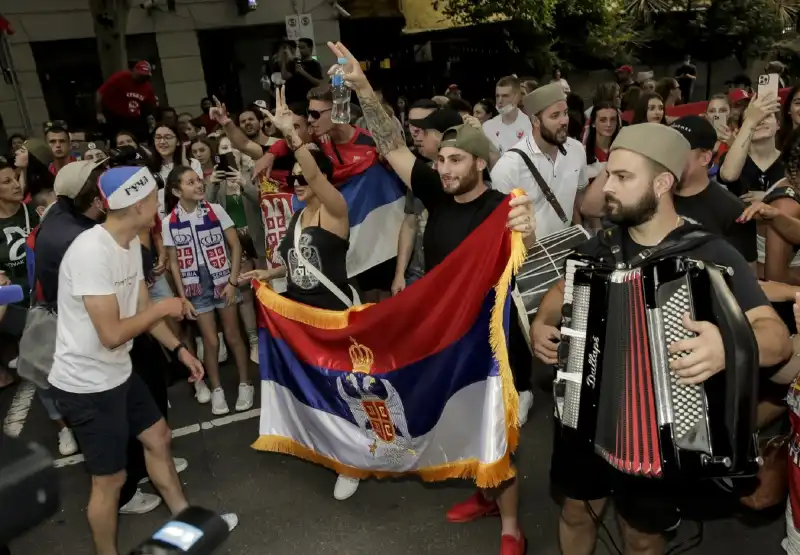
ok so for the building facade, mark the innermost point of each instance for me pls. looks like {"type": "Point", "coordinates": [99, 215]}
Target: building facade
{"type": "Point", "coordinates": [59, 34]}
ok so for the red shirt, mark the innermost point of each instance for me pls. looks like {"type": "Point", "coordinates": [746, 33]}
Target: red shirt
{"type": "Point", "coordinates": [54, 169]}
{"type": "Point", "coordinates": [124, 97]}
{"type": "Point", "coordinates": [349, 159]}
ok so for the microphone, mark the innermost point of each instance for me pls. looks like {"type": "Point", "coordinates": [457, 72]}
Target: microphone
{"type": "Point", "coordinates": [10, 294]}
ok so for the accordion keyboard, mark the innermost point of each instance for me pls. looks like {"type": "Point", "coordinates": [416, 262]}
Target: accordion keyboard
{"type": "Point", "coordinates": [688, 401]}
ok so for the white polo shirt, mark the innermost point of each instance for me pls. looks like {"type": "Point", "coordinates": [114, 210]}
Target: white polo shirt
{"type": "Point", "coordinates": [566, 175]}
{"type": "Point", "coordinates": [505, 136]}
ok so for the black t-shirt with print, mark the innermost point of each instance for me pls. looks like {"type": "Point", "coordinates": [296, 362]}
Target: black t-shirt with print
{"type": "Point", "coordinates": [753, 178]}
{"type": "Point", "coordinates": [12, 247]}
{"type": "Point", "coordinates": [717, 209]}
{"type": "Point", "coordinates": [743, 283]}
{"type": "Point", "coordinates": [449, 222]}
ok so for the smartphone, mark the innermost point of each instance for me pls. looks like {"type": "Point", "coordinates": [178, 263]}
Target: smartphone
{"type": "Point", "coordinates": [718, 121]}
{"type": "Point", "coordinates": [226, 162]}
{"type": "Point", "coordinates": [768, 85]}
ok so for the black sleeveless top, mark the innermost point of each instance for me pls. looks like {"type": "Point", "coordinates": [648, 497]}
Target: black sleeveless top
{"type": "Point", "coordinates": [327, 252]}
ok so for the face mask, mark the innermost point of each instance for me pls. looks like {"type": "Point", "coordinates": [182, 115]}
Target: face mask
{"type": "Point", "coordinates": [507, 109]}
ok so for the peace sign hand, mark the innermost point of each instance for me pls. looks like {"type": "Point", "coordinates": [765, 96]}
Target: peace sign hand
{"type": "Point", "coordinates": [283, 119]}
{"type": "Point", "coordinates": [219, 113]}
{"type": "Point", "coordinates": [353, 74]}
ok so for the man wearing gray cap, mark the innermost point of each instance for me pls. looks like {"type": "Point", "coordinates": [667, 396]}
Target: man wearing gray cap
{"type": "Point", "coordinates": [643, 168]}
{"type": "Point", "coordinates": [458, 200]}
{"type": "Point", "coordinates": [548, 165]}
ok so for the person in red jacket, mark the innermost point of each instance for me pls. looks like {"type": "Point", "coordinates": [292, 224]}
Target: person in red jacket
{"type": "Point", "coordinates": [125, 100]}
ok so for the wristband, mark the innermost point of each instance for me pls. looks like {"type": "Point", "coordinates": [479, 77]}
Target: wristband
{"type": "Point", "coordinates": [177, 349]}
{"type": "Point", "coordinates": [231, 283]}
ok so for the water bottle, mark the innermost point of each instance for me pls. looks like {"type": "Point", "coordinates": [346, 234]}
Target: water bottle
{"type": "Point", "coordinates": [341, 94]}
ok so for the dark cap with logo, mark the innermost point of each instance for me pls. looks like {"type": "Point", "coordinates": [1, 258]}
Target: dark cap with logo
{"type": "Point", "coordinates": [697, 130]}
{"type": "Point", "coordinates": [467, 138]}
{"type": "Point", "coordinates": [439, 120]}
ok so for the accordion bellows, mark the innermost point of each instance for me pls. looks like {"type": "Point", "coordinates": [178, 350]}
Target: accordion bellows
{"type": "Point", "coordinates": [615, 389]}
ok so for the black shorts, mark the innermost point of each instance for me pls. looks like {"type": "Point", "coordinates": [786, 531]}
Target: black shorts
{"type": "Point", "coordinates": [576, 472]}
{"type": "Point", "coordinates": [378, 277]}
{"type": "Point", "coordinates": [104, 422]}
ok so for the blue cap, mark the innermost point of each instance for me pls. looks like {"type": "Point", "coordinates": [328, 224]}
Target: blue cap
{"type": "Point", "coordinates": [125, 186]}
{"type": "Point", "coordinates": [342, 61]}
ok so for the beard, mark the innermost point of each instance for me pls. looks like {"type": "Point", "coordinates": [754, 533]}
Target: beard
{"type": "Point", "coordinates": [555, 138]}
{"type": "Point", "coordinates": [466, 183]}
{"type": "Point", "coordinates": [632, 216]}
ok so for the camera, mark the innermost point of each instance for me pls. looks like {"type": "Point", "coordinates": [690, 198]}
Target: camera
{"type": "Point", "coordinates": [195, 531]}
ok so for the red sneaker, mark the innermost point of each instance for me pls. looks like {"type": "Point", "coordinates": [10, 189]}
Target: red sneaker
{"type": "Point", "coordinates": [509, 545]}
{"type": "Point", "coordinates": [473, 508]}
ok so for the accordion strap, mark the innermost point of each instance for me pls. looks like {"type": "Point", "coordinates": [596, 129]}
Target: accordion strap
{"type": "Point", "coordinates": [692, 237]}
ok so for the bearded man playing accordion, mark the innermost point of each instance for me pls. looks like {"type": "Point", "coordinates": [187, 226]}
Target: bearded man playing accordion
{"type": "Point", "coordinates": [645, 163]}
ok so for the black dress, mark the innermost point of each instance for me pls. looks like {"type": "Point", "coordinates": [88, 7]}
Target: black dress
{"type": "Point", "coordinates": [327, 252]}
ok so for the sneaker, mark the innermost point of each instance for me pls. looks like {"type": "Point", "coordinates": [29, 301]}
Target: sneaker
{"type": "Point", "coordinates": [345, 487]}
{"type": "Point", "coordinates": [509, 545]}
{"type": "Point", "coordinates": [198, 345]}
{"type": "Point", "coordinates": [244, 401]}
{"type": "Point", "coordinates": [201, 392]}
{"type": "Point", "coordinates": [223, 349]}
{"type": "Point", "coordinates": [473, 508]}
{"type": "Point", "coordinates": [231, 520]}
{"type": "Point", "coordinates": [218, 403]}
{"type": "Point", "coordinates": [12, 364]}
{"type": "Point", "coordinates": [140, 503]}
{"type": "Point", "coordinates": [180, 466]}
{"type": "Point", "coordinates": [254, 352]}
{"type": "Point", "coordinates": [66, 442]}
{"type": "Point", "coordinates": [525, 405]}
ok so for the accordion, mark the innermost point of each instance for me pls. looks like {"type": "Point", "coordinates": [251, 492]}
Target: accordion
{"type": "Point", "coordinates": [614, 387]}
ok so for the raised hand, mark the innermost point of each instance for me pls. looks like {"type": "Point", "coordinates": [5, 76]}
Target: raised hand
{"type": "Point", "coordinates": [760, 108]}
{"type": "Point", "coordinates": [353, 74]}
{"type": "Point", "coordinates": [219, 113]}
{"type": "Point", "coordinates": [283, 118]}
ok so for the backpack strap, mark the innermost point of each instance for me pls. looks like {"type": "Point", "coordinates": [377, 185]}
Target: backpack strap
{"type": "Point", "coordinates": [686, 238]}
{"type": "Point", "coordinates": [545, 188]}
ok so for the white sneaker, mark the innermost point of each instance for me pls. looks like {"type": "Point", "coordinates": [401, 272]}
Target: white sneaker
{"type": "Point", "coordinates": [525, 405]}
{"type": "Point", "coordinates": [245, 399]}
{"type": "Point", "coordinates": [140, 503]}
{"type": "Point", "coordinates": [223, 349]}
{"type": "Point", "coordinates": [345, 487]}
{"type": "Point", "coordinates": [201, 392]}
{"type": "Point", "coordinates": [198, 344]}
{"type": "Point", "coordinates": [218, 403]}
{"type": "Point", "coordinates": [180, 466]}
{"type": "Point", "coordinates": [231, 520]}
{"type": "Point", "coordinates": [66, 442]}
{"type": "Point", "coordinates": [254, 353]}
{"type": "Point", "coordinates": [12, 364]}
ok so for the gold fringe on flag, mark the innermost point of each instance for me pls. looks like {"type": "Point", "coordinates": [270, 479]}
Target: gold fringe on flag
{"type": "Point", "coordinates": [318, 317]}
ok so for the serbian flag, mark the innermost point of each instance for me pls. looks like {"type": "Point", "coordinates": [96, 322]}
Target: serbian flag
{"type": "Point", "coordinates": [417, 384]}
{"type": "Point", "coordinates": [375, 202]}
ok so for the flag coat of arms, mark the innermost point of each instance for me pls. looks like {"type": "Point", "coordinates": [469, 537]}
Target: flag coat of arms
{"type": "Point", "coordinates": [417, 384]}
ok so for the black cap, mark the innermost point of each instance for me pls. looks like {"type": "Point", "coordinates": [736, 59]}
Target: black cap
{"type": "Point", "coordinates": [440, 120]}
{"type": "Point", "coordinates": [698, 131]}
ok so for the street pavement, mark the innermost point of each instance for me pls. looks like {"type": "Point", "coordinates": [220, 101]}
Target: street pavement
{"type": "Point", "coordinates": [286, 506]}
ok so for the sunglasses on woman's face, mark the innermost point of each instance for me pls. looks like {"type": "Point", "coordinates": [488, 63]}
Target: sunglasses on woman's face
{"type": "Point", "coordinates": [296, 180]}
{"type": "Point", "coordinates": [316, 114]}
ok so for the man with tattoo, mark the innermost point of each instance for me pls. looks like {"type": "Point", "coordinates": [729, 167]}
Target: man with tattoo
{"type": "Point", "coordinates": [458, 200]}
{"type": "Point", "coordinates": [753, 163]}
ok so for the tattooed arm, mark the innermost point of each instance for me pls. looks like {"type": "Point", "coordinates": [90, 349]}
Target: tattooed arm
{"type": "Point", "coordinates": [758, 111]}
{"type": "Point", "coordinates": [386, 135]}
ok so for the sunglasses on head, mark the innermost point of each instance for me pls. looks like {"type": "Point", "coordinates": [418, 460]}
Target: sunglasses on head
{"type": "Point", "coordinates": [296, 180]}
{"type": "Point", "coordinates": [316, 114]}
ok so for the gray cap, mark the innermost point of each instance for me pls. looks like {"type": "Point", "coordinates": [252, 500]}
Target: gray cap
{"type": "Point", "coordinates": [660, 143]}
{"type": "Point", "coordinates": [543, 97]}
{"type": "Point", "coordinates": [469, 139]}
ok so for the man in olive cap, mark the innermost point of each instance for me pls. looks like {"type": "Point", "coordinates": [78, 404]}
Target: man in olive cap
{"type": "Point", "coordinates": [644, 166]}
{"type": "Point", "coordinates": [458, 200]}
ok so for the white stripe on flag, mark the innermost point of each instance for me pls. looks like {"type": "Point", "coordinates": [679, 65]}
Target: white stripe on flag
{"type": "Point", "coordinates": [374, 240]}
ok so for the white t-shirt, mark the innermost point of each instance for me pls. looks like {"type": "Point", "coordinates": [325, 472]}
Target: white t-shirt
{"type": "Point", "coordinates": [164, 173]}
{"type": "Point", "coordinates": [197, 218]}
{"type": "Point", "coordinates": [95, 264]}
{"type": "Point", "coordinates": [566, 176]}
{"type": "Point", "coordinates": [505, 136]}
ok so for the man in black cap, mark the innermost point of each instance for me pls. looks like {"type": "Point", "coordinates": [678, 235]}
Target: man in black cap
{"type": "Point", "coordinates": [704, 201]}
{"type": "Point", "coordinates": [432, 126]}
{"type": "Point", "coordinates": [643, 169]}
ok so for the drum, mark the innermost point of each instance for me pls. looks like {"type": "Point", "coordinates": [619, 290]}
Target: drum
{"type": "Point", "coordinates": [544, 265]}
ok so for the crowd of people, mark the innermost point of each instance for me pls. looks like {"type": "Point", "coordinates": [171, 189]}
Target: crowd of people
{"type": "Point", "coordinates": [137, 250]}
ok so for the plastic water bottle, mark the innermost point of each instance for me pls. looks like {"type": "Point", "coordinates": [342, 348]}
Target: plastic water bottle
{"type": "Point", "coordinates": [341, 94]}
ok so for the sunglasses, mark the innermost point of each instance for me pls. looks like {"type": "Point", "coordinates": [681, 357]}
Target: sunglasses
{"type": "Point", "coordinates": [316, 114]}
{"type": "Point", "coordinates": [296, 180]}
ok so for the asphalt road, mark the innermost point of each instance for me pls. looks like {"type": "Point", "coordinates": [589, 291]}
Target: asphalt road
{"type": "Point", "coordinates": [286, 506]}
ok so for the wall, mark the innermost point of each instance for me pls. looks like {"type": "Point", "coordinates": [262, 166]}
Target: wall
{"type": "Point", "coordinates": [184, 80]}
